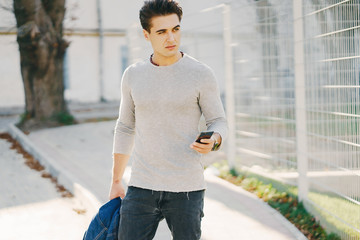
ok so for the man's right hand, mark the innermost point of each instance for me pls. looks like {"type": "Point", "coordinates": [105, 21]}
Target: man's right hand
{"type": "Point", "coordinates": [119, 164]}
{"type": "Point", "coordinates": [116, 190]}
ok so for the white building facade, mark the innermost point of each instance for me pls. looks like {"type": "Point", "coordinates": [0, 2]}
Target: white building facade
{"type": "Point", "coordinates": [99, 51]}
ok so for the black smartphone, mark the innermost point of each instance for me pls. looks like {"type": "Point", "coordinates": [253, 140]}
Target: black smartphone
{"type": "Point", "coordinates": [204, 135]}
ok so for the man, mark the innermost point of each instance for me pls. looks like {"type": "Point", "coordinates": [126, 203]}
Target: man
{"type": "Point", "coordinates": [161, 104]}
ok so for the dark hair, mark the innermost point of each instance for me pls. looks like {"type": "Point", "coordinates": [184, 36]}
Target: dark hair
{"type": "Point", "coordinates": [155, 8]}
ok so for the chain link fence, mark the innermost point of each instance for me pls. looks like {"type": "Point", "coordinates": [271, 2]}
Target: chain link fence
{"type": "Point", "coordinates": [332, 70]}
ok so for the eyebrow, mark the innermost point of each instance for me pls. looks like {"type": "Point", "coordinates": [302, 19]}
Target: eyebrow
{"type": "Point", "coordinates": [164, 30]}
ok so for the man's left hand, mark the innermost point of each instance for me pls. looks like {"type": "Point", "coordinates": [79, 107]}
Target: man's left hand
{"type": "Point", "coordinates": [204, 147]}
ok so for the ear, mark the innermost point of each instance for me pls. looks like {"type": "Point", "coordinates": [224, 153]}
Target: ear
{"type": "Point", "coordinates": [146, 34]}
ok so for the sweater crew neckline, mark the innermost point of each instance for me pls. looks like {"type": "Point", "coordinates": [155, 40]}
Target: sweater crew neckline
{"type": "Point", "coordinates": [149, 61]}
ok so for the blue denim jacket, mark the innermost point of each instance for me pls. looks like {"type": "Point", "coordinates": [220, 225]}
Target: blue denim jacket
{"type": "Point", "coordinates": [105, 224]}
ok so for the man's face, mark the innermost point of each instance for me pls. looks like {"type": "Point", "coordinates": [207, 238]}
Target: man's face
{"type": "Point", "coordinates": [164, 35]}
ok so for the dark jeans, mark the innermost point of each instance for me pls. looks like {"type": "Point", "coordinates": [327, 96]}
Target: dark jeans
{"type": "Point", "coordinates": [143, 209]}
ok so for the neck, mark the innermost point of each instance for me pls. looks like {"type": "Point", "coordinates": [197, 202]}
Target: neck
{"type": "Point", "coordinates": [161, 60]}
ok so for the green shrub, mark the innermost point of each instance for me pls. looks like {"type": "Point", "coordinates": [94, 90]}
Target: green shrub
{"type": "Point", "coordinates": [285, 202]}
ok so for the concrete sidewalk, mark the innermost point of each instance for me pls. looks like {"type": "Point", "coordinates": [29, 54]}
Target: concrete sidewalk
{"type": "Point", "coordinates": [80, 157]}
{"type": "Point", "coordinates": [31, 205]}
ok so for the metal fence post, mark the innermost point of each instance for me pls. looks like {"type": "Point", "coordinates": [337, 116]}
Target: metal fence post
{"type": "Point", "coordinates": [229, 79]}
{"type": "Point", "coordinates": [101, 51]}
{"type": "Point", "coordinates": [301, 130]}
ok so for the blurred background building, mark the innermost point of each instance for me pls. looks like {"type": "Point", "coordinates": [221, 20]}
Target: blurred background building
{"type": "Point", "coordinates": [290, 71]}
{"type": "Point", "coordinates": [105, 38]}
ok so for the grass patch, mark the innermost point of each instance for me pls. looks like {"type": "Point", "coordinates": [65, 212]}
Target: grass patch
{"type": "Point", "coordinates": [343, 208]}
{"type": "Point", "coordinates": [28, 123]}
{"type": "Point", "coordinates": [285, 202]}
{"type": "Point", "coordinates": [64, 118]}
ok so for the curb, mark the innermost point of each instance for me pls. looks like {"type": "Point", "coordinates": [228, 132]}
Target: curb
{"type": "Point", "coordinates": [288, 225]}
{"type": "Point", "coordinates": [65, 178]}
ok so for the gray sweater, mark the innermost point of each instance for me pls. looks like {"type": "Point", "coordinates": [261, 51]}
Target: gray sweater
{"type": "Point", "coordinates": [158, 119]}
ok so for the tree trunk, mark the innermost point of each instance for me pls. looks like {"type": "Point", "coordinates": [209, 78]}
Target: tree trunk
{"type": "Point", "coordinates": [42, 49]}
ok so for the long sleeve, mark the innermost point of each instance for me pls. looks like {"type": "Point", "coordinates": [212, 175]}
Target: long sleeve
{"type": "Point", "coordinates": [211, 105]}
{"type": "Point", "coordinates": [125, 125]}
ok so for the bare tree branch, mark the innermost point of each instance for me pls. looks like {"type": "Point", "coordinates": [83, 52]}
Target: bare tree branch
{"type": "Point", "coordinates": [7, 6]}
{"type": "Point", "coordinates": [55, 9]}
{"type": "Point", "coordinates": [7, 9]}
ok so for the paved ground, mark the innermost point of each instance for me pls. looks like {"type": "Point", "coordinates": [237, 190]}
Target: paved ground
{"type": "Point", "coordinates": [84, 152]}
{"type": "Point", "coordinates": [31, 207]}
{"type": "Point", "coordinates": [230, 212]}
{"type": "Point", "coordinates": [6, 120]}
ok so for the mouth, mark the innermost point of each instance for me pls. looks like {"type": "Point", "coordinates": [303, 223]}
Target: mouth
{"type": "Point", "coordinates": [171, 47]}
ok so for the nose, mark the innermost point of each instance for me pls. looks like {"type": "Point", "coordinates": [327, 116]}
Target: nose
{"type": "Point", "coordinates": [170, 37]}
